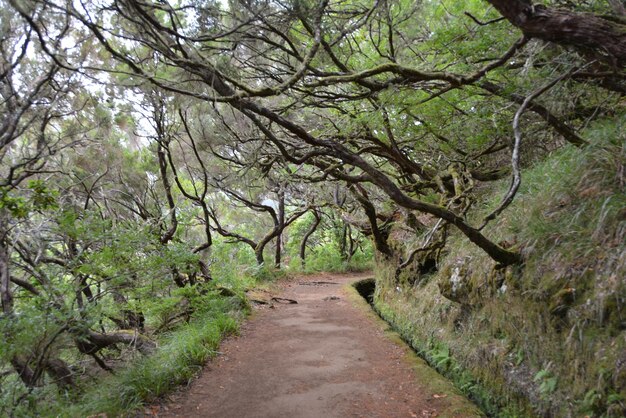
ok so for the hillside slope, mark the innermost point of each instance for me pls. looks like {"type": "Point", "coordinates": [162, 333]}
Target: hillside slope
{"type": "Point", "coordinates": [547, 338]}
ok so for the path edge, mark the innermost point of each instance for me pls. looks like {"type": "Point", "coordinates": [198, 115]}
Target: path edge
{"type": "Point", "coordinates": [457, 404]}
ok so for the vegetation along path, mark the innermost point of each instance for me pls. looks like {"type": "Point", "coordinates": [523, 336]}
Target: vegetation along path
{"type": "Point", "coordinates": [328, 355]}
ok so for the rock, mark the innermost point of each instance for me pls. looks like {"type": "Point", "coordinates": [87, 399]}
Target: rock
{"type": "Point", "coordinates": [455, 284]}
{"type": "Point", "coordinates": [470, 285]}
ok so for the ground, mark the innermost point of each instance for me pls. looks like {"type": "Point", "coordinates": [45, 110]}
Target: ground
{"type": "Point", "coordinates": [327, 355]}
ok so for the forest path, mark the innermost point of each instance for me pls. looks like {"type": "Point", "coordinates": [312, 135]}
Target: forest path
{"type": "Point", "coordinates": [328, 355]}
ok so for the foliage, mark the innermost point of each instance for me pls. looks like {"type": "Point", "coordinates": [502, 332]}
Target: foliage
{"type": "Point", "coordinates": [180, 356]}
{"type": "Point", "coordinates": [547, 383]}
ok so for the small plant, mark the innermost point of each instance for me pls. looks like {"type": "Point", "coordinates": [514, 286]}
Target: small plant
{"type": "Point", "coordinates": [441, 357]}
{"type": "Point", "coordinates": [519, 357]}
{"type": "Point", "coordinates": [591, 402]}
{"type": "Point", "coordinates": [597, 403]}
{"type": "Point", "coordinates": [547, 382]}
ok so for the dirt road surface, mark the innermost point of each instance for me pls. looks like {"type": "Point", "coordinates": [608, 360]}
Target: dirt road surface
{"type": "Point", "coordinates": [327, 355]}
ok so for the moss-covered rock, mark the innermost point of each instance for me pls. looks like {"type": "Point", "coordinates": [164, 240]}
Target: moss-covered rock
{"type": "Point", "coordinates": [455, 282]}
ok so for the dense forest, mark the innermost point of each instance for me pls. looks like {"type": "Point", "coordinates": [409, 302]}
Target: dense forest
{"type": "Point", "coordinates": [160, 158]}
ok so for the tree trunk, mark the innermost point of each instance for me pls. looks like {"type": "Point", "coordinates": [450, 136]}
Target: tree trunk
{"type": "Point", "coordinates": [6, 297]}
{"type": "Point", "coordinates": [58, 370]}
{"type": "Point", "coordinates": [380, 238]}
{"type": "Point", "coordinates": [205, 271]}
{"type": "Point", "coordinates": [129, 319]}
{"type": "Point", "coordinates": [306, 237]}
{"type": "Point", "coordinates": [92, 342]}
{"type": "Point", "coordinates": [281, 227]}
{"type": "Point", "coordinates": [278, 253]}
{"type": "Point", "coordinates": [178, 277]}
{"type": "Point", "coordinates": [5, 280]}
{"type": "Point", "coordinates": [351, 247]}
{"type": "Point", "coordinates": [343, 241]}
{"type": "Point", "coordinates": [258, 254]}
{"type": "Point", "coordinates": [604, 38]}
{"type": "Point", "coordinates": [169, 233]}
{"type": "Point", "coordinates": [26, 374]}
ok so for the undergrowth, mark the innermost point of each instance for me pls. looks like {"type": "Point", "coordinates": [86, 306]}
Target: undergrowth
{"type": "Point", "coordinates": [138, 379]}
{"type": "Point", "coordinates": [179, 357]}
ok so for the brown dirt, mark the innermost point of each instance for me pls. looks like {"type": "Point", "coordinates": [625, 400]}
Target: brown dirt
{"type": "Point", "coordinates": [326, 356]}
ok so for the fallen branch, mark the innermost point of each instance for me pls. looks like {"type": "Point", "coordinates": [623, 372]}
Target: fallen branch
{"type": "Point", "coordinates": [284, 300]}
{"type": "Point", "coordinates": [259, 301]}
{"type": "Point", "coordinates": [92, 342]}
{"type": "Point", "coordinates": [315, 283]}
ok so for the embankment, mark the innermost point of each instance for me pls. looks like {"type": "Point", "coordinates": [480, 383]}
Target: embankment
{"type": "Point", "coordinates": [547, 338]}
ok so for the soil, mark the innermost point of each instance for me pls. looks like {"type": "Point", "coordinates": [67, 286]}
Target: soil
{"type": "Point", "coordinates": [327, 355]}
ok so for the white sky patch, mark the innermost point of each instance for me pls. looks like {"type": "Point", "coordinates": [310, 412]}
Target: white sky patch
{"type": "Point", "coordinates": [271, 203]}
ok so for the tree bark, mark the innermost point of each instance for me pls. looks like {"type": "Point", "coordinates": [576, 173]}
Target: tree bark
{"type": "Point", "coordinates": [56, 368]}
{"type": "Point", "coordinates": [5, 280]}
{"type": "Point", "coordinates": [169, 233]}
{"type": "Point", "coordinates": [306, 237]}
{"type": "Point", "coordinates": [351, 243]}
{"type": "Point", "coordinates": [59, 372]}
{"type": "Point", "coordinates": [278, 250]}
{"type": "Point", "coordinates": [6, 297]}
{"type": "Point", "coordinates": [281, 226]}
{"type": "Point", "coordinates": [343, 241]}
{"type": "Point", "coordinates": [604, 38]}
{"type": "Point", "coordinates": [258, 254]}
{"type": "Point", "coordinates": [26, 374]}
{"type": "Point", "coordinates": [205, 271]}
{"type": "Point", "coordinates": [380, 238]}
{"type": "Point", "coordinates": [92, 342]}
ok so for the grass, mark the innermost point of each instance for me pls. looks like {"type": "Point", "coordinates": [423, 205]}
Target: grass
{"type": "Point", "coordinates": [438, 355]}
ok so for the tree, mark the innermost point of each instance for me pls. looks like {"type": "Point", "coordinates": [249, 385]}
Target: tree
{"type": "Point", "coordinates": [275, 208]}
{"type": "Point", "coordinates": [35, 101]}
{"type": "Point", "coordinates": [266, 78]}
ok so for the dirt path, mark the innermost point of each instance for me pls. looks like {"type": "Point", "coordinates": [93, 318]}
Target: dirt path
{"type": "Point", "coordinates": [326, 356]}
